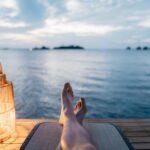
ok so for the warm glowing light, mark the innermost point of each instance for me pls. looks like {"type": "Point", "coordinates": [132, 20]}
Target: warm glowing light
{"type": "Point", "coordinates": [7, 107]}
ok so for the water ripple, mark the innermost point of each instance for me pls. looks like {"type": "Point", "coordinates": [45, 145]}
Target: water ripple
{"type": "Point", "coordinates": [115, 83]}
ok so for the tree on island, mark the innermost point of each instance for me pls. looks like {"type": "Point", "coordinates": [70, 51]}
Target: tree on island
{"type": "Point", "coordinates": [69, 47]}
{"type": "Point", "coordinates": [145, 48]}
{"type": "Point", "coordinates": [41, 48]}
{"type": "Point", "coordinates": [138, 48]}
{"type": "Point", "coordinates": [128, 48]}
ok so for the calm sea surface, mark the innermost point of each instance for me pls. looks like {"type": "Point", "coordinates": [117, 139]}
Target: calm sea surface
{"type": "Point", "coordinates": [115, 83]}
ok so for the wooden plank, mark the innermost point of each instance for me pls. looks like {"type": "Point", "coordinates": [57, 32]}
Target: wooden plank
{"type": "Point", "coordinates": [137, 130]}
{"type": "Point", "coordinates": [119, 120]}
{"type": "Point", "coordinates": [142, 146]}
{"type": "Point", "coordinates": [18, 140]}
{"type": "Point", "coordinates": [140, 139]}
{"type": "Point", "coordinates": [90, 120]}
{"type": "Point", "coordinates": [137, 134]}
{"type": "Point", "coordinates": [130, 124]}
{"type": "Point", "coordinates": [10, 146]}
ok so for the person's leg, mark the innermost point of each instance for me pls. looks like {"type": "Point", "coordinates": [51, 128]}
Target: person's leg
{"type": "Point", "coordinates": [74, 136]}
{"type": "Point", "coordinates": [80, 110]}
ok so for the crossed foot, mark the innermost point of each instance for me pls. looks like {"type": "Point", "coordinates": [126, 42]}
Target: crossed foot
{"type": "Point", "coordinates": [67, 110]}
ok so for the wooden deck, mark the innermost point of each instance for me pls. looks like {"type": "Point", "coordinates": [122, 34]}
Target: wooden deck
{"type": "Point", "coordinates": [137, 131]}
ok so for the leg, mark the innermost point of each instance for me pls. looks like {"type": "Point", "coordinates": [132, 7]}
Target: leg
{"type": "Point", "coordinates": [80, 110]}
{"type": "Point", "coordinates": [74, 136]}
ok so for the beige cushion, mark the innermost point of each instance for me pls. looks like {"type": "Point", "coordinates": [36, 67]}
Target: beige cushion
{"type": "Point", "coordinates": [46, 136]}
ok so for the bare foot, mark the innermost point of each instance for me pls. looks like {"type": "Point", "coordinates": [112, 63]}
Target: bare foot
{"type": "Point", "coordinates": [66, 104]}
{"type": "Point", "coordinates": [80, 110]}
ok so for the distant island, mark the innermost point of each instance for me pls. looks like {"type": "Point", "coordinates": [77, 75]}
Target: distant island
{"type": "Point", "coordinates": [139, 48]}
{"type": "Point", "coordinates": [41, 48]}
{"type": "Point", "coordinates": [128, 48]}
{"type": "Point", "coordinates": [146, 48]}
{"type": "Point", "coordinates": [69, 47]}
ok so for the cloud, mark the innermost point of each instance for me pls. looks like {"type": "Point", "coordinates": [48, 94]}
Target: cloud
{"type": "Point", "coordinates": [145, 23]}
{"type": "Point", "coordinates": [55, 26]}
{"type": "Point", "coordinates": [9, 4]}
{"type": "Point", "coordinates": [9, 8]}
{"type": "Point", "coordinates": [140, 19]}
{"type": "Point", "coordinates": [146, 40]}
{"type": "Point", "coordinates": [93, 5]}
{"type": "Point", "coordinates": [133, 39]}
{"type": "Point", "coordinates": [39, 20]}
{"type": "Point", "coordinates": [134, 18]}
{"type": "Point", "coordinates": [8, 24]}
{"type": "Point", "coordinates": [18, 37]}
{"type": "Point", "coordinates": [75, 7]}
{"type": "Point", "coordinates": [137, 39]}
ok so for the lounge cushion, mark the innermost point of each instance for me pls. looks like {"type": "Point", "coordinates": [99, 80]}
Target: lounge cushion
{"type": "Point", "coordinates": [46, 136]}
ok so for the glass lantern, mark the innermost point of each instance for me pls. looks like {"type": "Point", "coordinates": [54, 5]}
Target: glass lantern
{"type": "Point", "coordinates": [7, 107]}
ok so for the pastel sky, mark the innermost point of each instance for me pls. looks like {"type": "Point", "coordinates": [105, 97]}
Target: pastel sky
{"type": "Point", "coordinates": [90, 23]}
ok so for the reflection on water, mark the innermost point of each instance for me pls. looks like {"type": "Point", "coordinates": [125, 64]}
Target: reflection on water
{"type": "Point", "coordinates": [115, 83]}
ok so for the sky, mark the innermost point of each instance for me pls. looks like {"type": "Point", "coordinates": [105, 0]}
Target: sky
{"type": "Point", "coordinates": [89, 23]}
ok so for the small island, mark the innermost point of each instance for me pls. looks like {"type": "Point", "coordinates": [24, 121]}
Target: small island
{"type": "Point", "coordinates": [41, 48]}
{"type": "Point", "coordinates": [145, 48]}
{"type": "Point", "coordinates": [128, 48]}
{"type": "Point", "coordinates": [70, 47]}
{"type": "Point", "coordinates": [139, 48]}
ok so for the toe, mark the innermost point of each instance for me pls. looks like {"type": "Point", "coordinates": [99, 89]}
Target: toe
{"type": "Point", "coordinates": [77, 107]}
{"type": "Point", "coordinates": [65, 90]}
{"type": "Point", "coordinates": [69, 90]}
{"type": "Point", "coordinates": [83, 104]}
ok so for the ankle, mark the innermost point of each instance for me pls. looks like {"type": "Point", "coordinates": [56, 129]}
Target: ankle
{"type": "Point", "coordinates": [70, 119]}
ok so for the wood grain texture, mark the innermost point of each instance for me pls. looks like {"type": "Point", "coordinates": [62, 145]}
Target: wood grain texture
{"type": "Point", "coordinates": [137, 131]}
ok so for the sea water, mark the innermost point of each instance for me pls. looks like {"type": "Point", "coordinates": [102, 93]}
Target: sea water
{"type": "Point", "coordinates": [115, 83]}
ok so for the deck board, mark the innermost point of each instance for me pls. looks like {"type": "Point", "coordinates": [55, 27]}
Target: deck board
{"type": "Point", "coordinates": [137, 131]}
